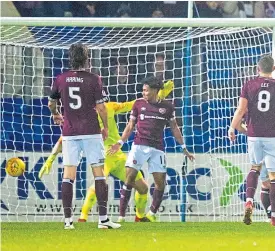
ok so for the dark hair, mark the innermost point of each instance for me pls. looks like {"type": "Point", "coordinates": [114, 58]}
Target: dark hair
{"type": "Point", "coordinates": [78, 55]}
{"type": "Point", "coordinates": [153, 82]}
{"type": "Point", "coordinates": [266, 63]}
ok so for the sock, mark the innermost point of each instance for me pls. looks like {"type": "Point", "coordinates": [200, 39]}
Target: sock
{"type": "Point", "coordinates": [89, 202]}
{"type": "Point", "coordinates": [67, 196]}
{"type": "Point", "coordinates": [140, 201]}
{"type": "Point", "coordinates": [125, 195]}
{"type": "Point", "coordinates": [251, 184]}
{"type": "Point", "coordinates": [272, 197]}
{"type": "Point", "coordinates": [101, 190]}
{"type": "Point", "coordinates": [265, 198]}
{"type": "Point", "coordinates": [157, 199]}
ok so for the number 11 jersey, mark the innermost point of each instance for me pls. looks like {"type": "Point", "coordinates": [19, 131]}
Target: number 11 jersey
{"type": "Point", "coordinates": [260, 94]}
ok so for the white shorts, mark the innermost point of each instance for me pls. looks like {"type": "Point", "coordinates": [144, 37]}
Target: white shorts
{"type": "Point", "coordinates": [140, 154]}
{"type": "Point", "coordinates": [264, 173]}
{"type": "Point", "coordinates": [92, 148]}
{"type": "Point", "coordinates": [262, 150]}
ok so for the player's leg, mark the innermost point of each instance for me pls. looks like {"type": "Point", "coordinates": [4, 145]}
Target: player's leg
{"type": "Point", "coordinates": [45, 169]}
{"type": "Point", "coordinates": [90, 198]}
{"type": "Point", "coordinates": [256, 157]}
{"type": "Point", "coordinates": [141, 196]}
{"type": "Point", "coordinates": [117, 169]}
{"type": "Point", "coordinates": [71, 155]}
{"type": "Point", "coordinates": [94, 152]}
{"type": "Point", "coordinates": [265, 190]}
{"type": "Point", "coordinates": [136, 158]}
{"type": "Point", "coordinates": [269, 159]}
{"type": "Point", "coordinates": [157, 166]}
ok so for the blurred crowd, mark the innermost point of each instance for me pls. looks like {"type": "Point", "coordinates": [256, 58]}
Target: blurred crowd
{"type": "Point", "coordinates": [226, 9]}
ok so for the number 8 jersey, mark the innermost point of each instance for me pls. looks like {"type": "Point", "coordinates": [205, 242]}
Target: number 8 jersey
{"type": "Point", "coordinates": [79, 92]}
{"type": "Point", "coordinates": [260, 94]}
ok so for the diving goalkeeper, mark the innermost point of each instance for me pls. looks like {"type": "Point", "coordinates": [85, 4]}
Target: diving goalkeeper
{"type": "Point", "coordinates": [114, 164]}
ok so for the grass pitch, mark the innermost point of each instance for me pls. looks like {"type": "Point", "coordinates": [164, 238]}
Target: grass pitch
{"type": "Point", "coordinates": [139, 237]}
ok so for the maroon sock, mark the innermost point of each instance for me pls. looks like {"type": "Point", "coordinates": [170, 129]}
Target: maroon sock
{"type": "Point", "coordinates": [157, 199]}
{"type": "Point", "coordinates": [265, 198]}
{"type": "Point", "coordinates": [252, 183]}
{"type": "Point", "coordinates": [272, 195]}
{"type": "Point", "coordinates": [125, 195]}
{"type": "Point", "coordinates": [101, 191]}
{"type": "Point", "coordinates": [67, 196]}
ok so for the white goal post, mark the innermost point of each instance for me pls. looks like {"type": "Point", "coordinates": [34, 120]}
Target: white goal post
{"type": "Point", "coordinates": [208, 60]}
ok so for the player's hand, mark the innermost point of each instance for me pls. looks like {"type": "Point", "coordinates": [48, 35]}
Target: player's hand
{"type": "Point", "coordinates": [114, 148]}
{"type": "Point", "coordinates": [189, 155]}
{"type": "Point", "coordinates": [231, 134]}
{"type": "Point", "coordinates": [58, 119]}
{"type": "Point", "coordinates": [104, 133]}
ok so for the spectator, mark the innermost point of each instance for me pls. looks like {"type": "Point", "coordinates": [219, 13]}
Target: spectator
{"type": "Point", "coordinates": [159, 67]}
{"type": "Point", "coordinates": [30, 8]}
{"type": "Point", "coordinates": [269, 8]}
{"type": "Point", "coordinates": [124, 10]}
{"type": "Point", "coordinates": [209, 9]}
{"type": "Point", "coordinates": [118, 88]}
{"type": "Point", "coordinates": [157, 13]}
{"type": "Point", "coordinates": [88, 9]}
{"type": "Point", "coordinates": [243, 9]}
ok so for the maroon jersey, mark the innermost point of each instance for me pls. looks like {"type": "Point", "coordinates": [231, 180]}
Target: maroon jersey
{"type": "Point", "coordinates": [260, 93]}
{"type": "Point", "coordinates": [79, 92]}
{"type": "Point", "coordinates": [151, 118]}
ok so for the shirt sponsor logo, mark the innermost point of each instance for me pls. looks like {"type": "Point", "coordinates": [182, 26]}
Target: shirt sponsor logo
{"type": "Point", "coordinates": [143, 108]}
{"type": "Point", "coordinates": [162, 110]}
{"type": "Point", "coordinates": [154, 117]}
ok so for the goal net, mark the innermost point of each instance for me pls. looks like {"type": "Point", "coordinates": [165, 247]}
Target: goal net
{"type": "Point", "coordinates": [208, 66]}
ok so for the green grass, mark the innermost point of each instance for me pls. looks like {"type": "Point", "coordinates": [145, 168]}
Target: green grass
{"type": "Point", "coordinates": [139, 236]}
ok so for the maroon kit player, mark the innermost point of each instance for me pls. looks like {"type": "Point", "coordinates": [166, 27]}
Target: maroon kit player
{"type": "Point", "coordinates": [258, 100]}
{"type": "Point", "coordinates": [81, 96]}
{"type": "Point", "coordinates": [150, 116]}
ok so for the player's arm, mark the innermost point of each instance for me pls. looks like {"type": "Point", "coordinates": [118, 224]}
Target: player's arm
{"type": "Point", "coordinates": [127, 106]}
{"type": "Point", "coordinates": [122, 107]}
{"type": "Point", "coordinates": [237, 119]}
{"type": "Point", "coordinates": [52, 104]}
{"type": "Point", "coordinates": [100, 97]}
{"type": "Point", "coordinates": [125, 135]}
{"type": "Point", "coordinates": [168, 87]}
{"type": "Point", "coordinates": [178, 136]}
{"type": "Point", "coordinates": [102, 111]}
{"type": "Point", "coordinates": [127, 131]}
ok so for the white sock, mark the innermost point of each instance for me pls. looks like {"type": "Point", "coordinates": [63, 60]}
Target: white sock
{"type": "Point", "coordinates": [103, 217]}
{"type": "Point", "coordinates": [68, 220]}
{"type": "Point", "coordinates": [249, 199]}
{"type": "Point", "coordinates": [273, 214]}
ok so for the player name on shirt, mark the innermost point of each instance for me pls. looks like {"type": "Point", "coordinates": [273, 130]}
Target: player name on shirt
{"type": "Point", "coordinates": [74, 79]}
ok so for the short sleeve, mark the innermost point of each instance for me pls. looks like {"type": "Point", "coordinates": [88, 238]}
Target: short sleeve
{"type": "Point", "coordinates": [134, 112]}
{"type": "Point", "coordinates": [244, 92]}
{"type": "Point", "coordinates": [55, 93]}
{"type": "Point", "coordinates": [100, 95]}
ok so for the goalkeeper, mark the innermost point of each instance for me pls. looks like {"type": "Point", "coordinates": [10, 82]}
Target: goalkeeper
{"type": "Point", "coordinates": [114, 164]}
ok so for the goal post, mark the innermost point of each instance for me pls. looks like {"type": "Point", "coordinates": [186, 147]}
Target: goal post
{"type": "Point", "coordinates": [208, 63]}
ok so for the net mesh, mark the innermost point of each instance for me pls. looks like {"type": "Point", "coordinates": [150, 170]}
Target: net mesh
{"type": "Point", "coordinates": [208, 67]}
